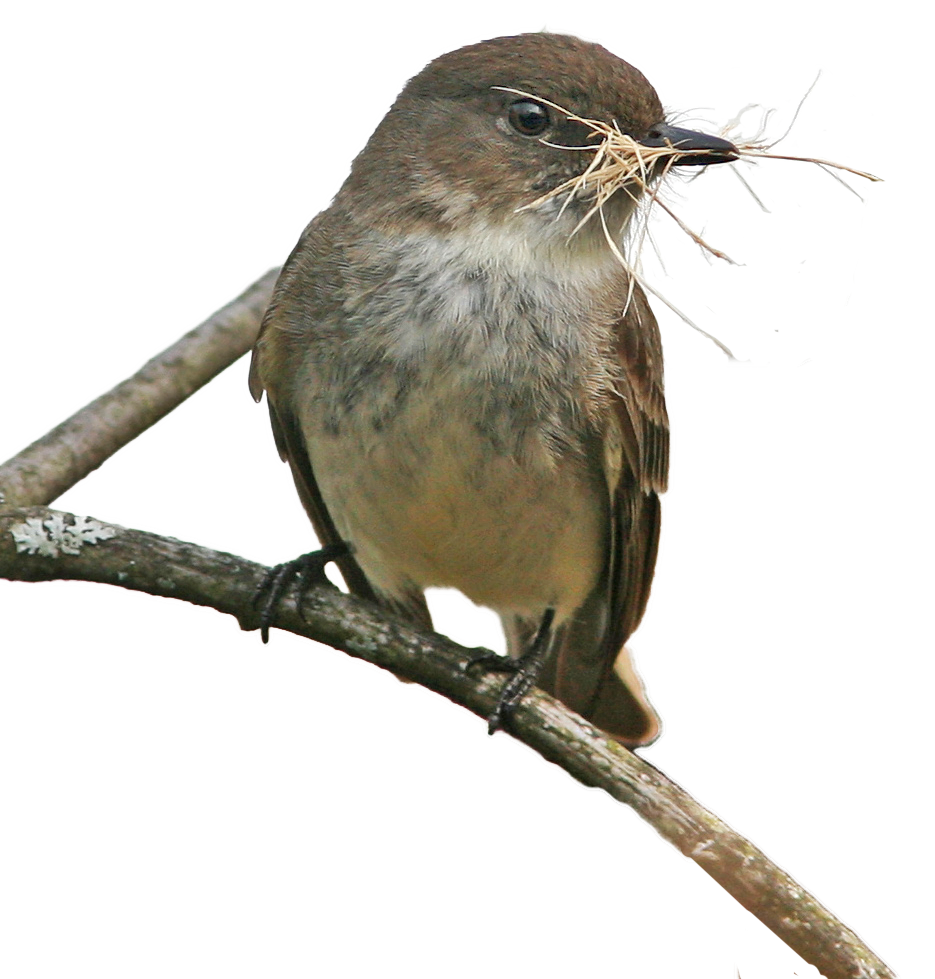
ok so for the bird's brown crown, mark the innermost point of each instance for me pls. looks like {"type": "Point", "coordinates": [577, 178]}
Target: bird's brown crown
{"type": "Point", "coordinates": [460, 141]}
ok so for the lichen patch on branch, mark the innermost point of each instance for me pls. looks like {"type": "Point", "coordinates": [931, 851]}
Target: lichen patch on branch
{"type": "Point", "coordinates": [53, 536]}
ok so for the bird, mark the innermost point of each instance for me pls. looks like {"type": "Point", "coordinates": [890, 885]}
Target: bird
{"type": "Point", "coordinates": [467, 382]}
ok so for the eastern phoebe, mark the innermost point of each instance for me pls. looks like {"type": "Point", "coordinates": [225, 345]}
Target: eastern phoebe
{"type": "Point", "coordinates": [469, 390]}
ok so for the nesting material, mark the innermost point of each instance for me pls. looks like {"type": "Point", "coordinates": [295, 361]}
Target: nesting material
{"type": "Point", "coordinates": [621, 164]}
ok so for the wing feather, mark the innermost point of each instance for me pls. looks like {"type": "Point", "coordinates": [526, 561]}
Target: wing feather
{"type": "Point", "coordinates": [591, 670]}
{"type": "Point", "coordinates": [279, 341]}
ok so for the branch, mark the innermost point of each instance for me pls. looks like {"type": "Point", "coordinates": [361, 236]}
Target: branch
{"type": "Point", "coordinates": [37, 544]}
{"type": "Point", "coordinates": [54, 463]}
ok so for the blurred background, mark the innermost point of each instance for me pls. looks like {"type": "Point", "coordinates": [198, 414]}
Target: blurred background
{"type": "Point", "coordinates": [178, 799]}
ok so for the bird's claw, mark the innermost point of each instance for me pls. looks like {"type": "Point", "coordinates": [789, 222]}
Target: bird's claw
{"type": "Point", "coordinates": [307, 570]}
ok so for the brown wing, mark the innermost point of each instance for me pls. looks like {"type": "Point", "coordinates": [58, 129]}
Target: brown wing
{"type": "Point", "coordinates": [590, 670]}
{"type": "Point", "coordinates": [641, 413]}
{"type": "Point", "coordinates": [276, 356]}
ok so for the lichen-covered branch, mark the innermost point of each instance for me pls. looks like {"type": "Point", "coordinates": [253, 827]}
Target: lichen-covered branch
{"type": "Point", "coordinates": [37, 544]}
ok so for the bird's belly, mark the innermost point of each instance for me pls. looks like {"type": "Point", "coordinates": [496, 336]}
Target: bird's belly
{"type": "Point", "coordinates": [432, 498]}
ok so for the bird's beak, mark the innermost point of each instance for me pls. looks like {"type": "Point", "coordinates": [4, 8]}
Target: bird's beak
{"type": "Point", "coordinates": [695, 149]}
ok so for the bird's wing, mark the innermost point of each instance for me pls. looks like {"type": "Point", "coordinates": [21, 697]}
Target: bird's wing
{"type": "Point", "coordinates": [591, 670]}
{"type": "Point", "coordinates": [279, 342]}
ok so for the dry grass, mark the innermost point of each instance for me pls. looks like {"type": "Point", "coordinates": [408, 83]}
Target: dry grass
{"type": "Point", "coordinates": [623, 165]}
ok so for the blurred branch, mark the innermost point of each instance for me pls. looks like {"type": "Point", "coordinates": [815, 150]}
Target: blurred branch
{"type": "Point", "coordinates": [741, 532]}
{"type": "Point", "coordinates": [37, 544]}
{"type": "Point", "coordinates": [590, 23]}
{"type": "Point", "coordinates": [54, 463]}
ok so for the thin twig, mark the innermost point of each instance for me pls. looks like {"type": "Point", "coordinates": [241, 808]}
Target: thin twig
{"type": "Point", "coordinates": [164, 566]}
{"type": "Point", "coordinates": [58, 460]}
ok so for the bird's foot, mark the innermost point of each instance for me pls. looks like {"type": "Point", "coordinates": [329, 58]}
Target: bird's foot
{"type": "Point", "coordinates": [307, 570]}
{"type": "Point", "coordinates": [525, 671]}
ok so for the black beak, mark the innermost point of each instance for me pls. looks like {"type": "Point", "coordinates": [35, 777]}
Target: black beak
{"type": "Point", "coordinates": [695, 149]}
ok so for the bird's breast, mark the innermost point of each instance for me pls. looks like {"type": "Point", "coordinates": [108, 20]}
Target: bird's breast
{"type": "Point", "coordinates": [445, 493]}
{"type": "Point", "coordinates": [450, 417]}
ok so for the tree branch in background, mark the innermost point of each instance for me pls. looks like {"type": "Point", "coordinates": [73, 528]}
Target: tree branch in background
{"type": "Point", "coordinates": [37, 544]}
{"type": "Point", "coordinates": [63, 457]}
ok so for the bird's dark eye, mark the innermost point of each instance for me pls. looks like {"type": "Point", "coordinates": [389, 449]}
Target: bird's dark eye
{"type": "Point", "coordinates": [529, 118]}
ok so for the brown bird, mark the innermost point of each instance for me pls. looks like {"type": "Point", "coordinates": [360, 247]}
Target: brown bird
{"type": "Point", "coordinates": [469, 390]}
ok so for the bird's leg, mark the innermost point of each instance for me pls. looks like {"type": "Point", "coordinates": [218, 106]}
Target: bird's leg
{"type": "Point", "coordinates": [525, 671]}
{"type": "Point", "coordinates": [307, 570]}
